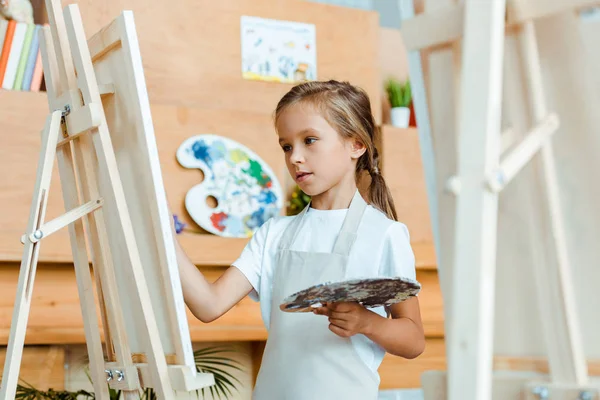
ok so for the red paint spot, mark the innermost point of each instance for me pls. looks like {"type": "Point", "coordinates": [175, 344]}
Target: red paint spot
{"type": "Point", "coordinates": [218, 219]}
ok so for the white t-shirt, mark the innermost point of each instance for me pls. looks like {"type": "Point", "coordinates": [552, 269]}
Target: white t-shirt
{"type": "Point", "coordinates": [379, 238]}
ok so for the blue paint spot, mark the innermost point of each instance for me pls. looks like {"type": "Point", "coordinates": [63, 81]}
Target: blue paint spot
{"type": "Point", "coordinates": [260, 216]}
{"type": "Point", "coordinates": [201, 152]}
{"type": "Point", "coordinates": [234, 225]}
{"type": "Point", "coordinates": [217, 151]}
{"type": "Point", "coordinates": [178, 224]}
{"type": "Point", "coordinates": [256, 219]}
{"type": "Point", "coordinates": [267, 197]}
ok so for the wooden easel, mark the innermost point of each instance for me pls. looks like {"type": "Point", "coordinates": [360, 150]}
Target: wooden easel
{"type": "Point", "coordinates": [471, 34]}
{"type": "Point", "coordinates": [78, 135]}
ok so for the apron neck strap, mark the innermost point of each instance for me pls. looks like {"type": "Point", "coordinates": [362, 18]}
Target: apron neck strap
{"type": "Point", "coordinates": [289, 235]}
{"type": "Point", "coordinates": [347, 234]}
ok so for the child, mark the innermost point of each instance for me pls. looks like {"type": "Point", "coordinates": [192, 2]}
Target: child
{"type": "Point", "coordinates": [326, 132]}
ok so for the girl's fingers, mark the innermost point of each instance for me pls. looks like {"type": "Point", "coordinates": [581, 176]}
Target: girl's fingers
{"type": "Point", "coordinates": [339, 331]}
{"type": "Point", "coordinates": [322, 311]}
{"type": "Point", "coordinates": [339, 315]}
{"type": "Point", "coordinates": [342, 323]}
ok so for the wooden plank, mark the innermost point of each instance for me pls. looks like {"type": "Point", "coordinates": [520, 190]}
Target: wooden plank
{"type": "Point", "coordinates": [522, 10]}
{"type": "Point", "coordinates": [471, 332]}
{"type": "Point", "coordinates": [435, 72]}
{"type": "Point", "coordinates": [402, 168]}
{"type": "Point", "coordinates": [400, 373]}
{"type": "Point", "coordinates": [42, 366]}
{"type": "Point", "coordinates": [436, 29]}
{"type": "Point", "coordinates": [555, 289]}
{"type": "Point", "coordinates": [431, 304]}
{"type": "Point", "coordinates": [56, 317]}
{"type": "Point", "coordinates": [207, 73]}
{"type": "Point", "coordinates": [204, 249]}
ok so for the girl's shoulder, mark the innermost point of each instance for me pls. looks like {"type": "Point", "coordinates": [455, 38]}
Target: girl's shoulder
{"type": "Point", "coordinates": [377, 221]}
{"type": "Point", "coordinates": [273, 227]}
{"type": "Point", "coordinates": [280, 221]}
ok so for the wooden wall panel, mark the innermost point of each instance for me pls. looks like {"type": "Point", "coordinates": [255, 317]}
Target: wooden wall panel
{"type": "Point", "coordinates": [24, 114]}
{"type": "Point", "coordinates": [431, 304]}
{"type": "Point", "coordinates": [396, 372]}
{"type": "Point", "coordinates": [403, 171]}
{"type": "Point", "coordinates": [43, 367]}
{"type": "Point", "coordinates": [55, 316]}
{"type": "Point", "coordinates": [22, 117]}
{"type": "Point", "coordinates": [192, 54]}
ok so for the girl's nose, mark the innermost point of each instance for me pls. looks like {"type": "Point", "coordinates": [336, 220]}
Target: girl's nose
{"type": "Point", "coordinates": [296, 157]}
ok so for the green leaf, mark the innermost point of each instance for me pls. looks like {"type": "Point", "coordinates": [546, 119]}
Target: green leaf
{"type": "Point", "coordinates": [399, 95]}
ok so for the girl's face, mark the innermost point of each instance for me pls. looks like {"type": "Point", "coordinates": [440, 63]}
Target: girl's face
{"type": "Point", "coordinates": [317, 157]}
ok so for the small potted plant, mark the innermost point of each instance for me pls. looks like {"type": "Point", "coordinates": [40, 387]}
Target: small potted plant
{"type": "Point", "coordinates": [400, 97]}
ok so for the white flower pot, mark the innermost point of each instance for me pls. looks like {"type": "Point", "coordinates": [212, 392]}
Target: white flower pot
{"type": "Point", "coordinates": [400, 117]}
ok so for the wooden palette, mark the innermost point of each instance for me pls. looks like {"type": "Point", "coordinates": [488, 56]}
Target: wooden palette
{"type": "Point", "coordinates": [370, 292]}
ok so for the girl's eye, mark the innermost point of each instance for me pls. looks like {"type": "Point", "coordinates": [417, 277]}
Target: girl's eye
{"type": "Point", "coordinates": [286, 148]}
{"type": "Point", "coordinates": [310, 140]}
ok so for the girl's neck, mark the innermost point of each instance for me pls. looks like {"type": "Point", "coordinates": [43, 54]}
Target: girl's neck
{"type": "Point", "coordinates": [338, 197]}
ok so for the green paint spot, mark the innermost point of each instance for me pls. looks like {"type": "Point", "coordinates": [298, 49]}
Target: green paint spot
{"type": "Point", "coordinates": [255, 170]}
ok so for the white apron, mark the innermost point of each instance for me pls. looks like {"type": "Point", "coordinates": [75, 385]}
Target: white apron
{"type": "Point", "coordinates": [303, 359]}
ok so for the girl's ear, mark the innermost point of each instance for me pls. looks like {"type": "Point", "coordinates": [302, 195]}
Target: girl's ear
{"type": "Point", "coordinates": [357, 149]}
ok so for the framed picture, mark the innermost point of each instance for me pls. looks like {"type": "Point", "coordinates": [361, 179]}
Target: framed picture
{"type": "Point", "coordinates": [278, 51]}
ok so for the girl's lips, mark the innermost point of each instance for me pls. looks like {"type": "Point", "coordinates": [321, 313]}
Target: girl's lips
{"type": "Point", "coordinates": [303, 176]}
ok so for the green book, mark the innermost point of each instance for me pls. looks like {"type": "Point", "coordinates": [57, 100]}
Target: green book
{"type": "Point", "coordinates": [24, 56]}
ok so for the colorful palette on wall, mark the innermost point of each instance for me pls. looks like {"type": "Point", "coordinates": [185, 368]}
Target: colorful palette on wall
{"type": "Point", "coordinates": [246, 190]}
{"type": "Point", "coordinates": [370, 292]}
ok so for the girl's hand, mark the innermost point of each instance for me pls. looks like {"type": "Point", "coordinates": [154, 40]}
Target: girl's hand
{"type": "Point", "coordinates": [347, 319]}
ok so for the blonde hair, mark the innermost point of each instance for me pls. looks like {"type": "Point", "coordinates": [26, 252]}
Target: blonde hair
{"type": "Point", "coordinates": [348, 110]}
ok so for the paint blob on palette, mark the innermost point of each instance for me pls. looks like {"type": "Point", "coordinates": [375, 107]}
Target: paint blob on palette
{"type": "Point", "coordinates": [246, 190]}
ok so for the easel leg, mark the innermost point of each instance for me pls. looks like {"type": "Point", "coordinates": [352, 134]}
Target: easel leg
{"type": "Point", "coordinates": [559, 315]}
{"type": "Point", "coordinates": [470, 352]}
{"type": "Point", "coordinates": [20, 317]}
{"type": "Point", "coordinates": [83, 275]}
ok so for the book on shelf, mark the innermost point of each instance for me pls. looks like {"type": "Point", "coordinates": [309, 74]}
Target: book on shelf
{"type": "Point", "coordinates": [20, 58]}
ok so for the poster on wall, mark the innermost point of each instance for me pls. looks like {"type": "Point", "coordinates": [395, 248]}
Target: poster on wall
{"type": "Point", "coordinates": [278, 51]}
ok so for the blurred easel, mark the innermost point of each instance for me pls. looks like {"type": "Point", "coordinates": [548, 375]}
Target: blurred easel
{"type": "Point", "coordinates": [480, 160]}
